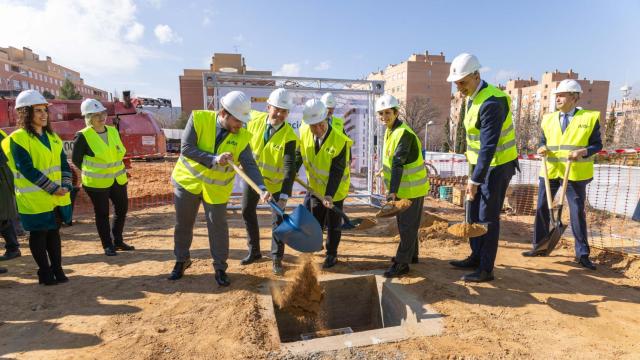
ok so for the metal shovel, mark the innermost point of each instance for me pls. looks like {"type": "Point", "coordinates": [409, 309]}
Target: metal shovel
{"type": "Point", "coordinates": [466, 228]}
{"type": "Point", "coordinates": [300, 230]}
{"type": "Point", "coordinates": [348, 224]}
{"type": "Point", "coordinates": [549, 243]}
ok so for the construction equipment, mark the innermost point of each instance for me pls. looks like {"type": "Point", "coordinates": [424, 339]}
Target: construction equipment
{"type": "Point", "coordinates": [237, 104]}
{"type": "Point", "coordinates": [300, 230]}
{"type": "Point", "coordinates": [569, 86]}
{"type": "Point", "coordinates": [393, 208]}
{"type": "Point", "coordinates": [549, 243]}
{"type": "Point", "coordinates": [29, 98]}
{"type": "Point", "coordinates": [386, 101]}
{"type": "Point", "coordinates": [348, 224]}
{"type": "Point", "coordinates": [139, 131]}
{"type": "Point", "coordinates": [467, 228]}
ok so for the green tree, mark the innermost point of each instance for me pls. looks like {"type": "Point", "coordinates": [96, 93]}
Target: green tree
{"type": "Point", "coordinates": [68, 91]}
{"type": "Point", "coordinates": [446, 144]}
{"type": "Point", "coordinates": [48, 95]}
{"type": "Point", "coordinates": [461, 134]}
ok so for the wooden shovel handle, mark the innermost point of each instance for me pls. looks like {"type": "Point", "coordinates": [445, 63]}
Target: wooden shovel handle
{"type": "Point", "coordinates": [547, 186]}
{"type": "Point", "coordinates": [565, 181]}
{"type": "Point", "coordinates": [245, 177]}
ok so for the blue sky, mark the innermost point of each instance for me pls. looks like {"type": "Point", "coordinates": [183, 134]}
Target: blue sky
{"type": "Point", "coordinates": [144, 45]}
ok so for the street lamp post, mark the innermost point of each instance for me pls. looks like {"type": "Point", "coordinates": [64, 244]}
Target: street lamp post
{"type": "Point", "coordinates": [426, 132]}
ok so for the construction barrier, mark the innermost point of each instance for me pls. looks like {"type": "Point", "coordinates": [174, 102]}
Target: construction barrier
{"type": "Point", "coordinates": [612, 196]}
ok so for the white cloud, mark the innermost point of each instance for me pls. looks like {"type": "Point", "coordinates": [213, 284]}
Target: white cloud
{"type": "Point", "coordinates": [502, 75]}
{"type": "Point", "coordinates": [84, 35]}
{"type": "Point", "coordinates": [165, 34]}
{"type": "Point", "coordinates": [484, 69]}
{"type": "Point", "coordinates": [135, 32]}
{"type": "Point", "coordinates": [291, 69]}
{"type": "Point", "coordinates": [322, 66]}
{"type": "Point", "coordinates": [206, 20]}
{"type": "Point", "coordinates": [238, 38]}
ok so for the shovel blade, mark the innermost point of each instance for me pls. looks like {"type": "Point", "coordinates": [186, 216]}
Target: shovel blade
{"type": "Point", "coordinates": [300, 230]}
{"type": "Point", "coordinates": [554, 237]}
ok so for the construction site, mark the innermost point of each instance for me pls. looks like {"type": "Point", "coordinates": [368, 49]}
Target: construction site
{"type": "Point", "coordinates": [537, 307]}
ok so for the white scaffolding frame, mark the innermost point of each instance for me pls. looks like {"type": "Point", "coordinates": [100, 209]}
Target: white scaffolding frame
{"type": "Point", "coordinates": [213, 82]}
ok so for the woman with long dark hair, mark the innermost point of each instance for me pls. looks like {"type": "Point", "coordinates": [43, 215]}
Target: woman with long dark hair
{"type": "Point", "coordinates": [42, 184]}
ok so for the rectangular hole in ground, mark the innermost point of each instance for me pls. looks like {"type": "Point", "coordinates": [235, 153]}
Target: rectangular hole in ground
{"type": "Point", "coordinates": [348, 303]}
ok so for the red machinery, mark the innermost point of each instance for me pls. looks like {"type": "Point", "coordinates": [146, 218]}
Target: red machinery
{"type": "Point", "coordinates": [140, 133]}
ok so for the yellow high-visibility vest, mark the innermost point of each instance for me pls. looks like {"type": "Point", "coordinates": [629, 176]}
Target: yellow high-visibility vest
{"type": "Point", "coordinates": [270, 156]}
{"type": "Point", "coordinates": [576, 136]}
{"type": "Point", "coordinates": [506, 150]}
{"type": "Point", "coordinates": [106, 166]}
{"type": "Point", "coordinates": [318, 165]}
{"type": "Point", "coordinates": [31, 198]}
{"type": "Point", "coordinates": [216, 183]}
{"type": "Point", "coordinates": [414, 182]}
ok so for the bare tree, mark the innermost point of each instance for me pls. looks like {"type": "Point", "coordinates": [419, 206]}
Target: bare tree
{"type": "Point", "coordinates": [417, 112]}
{"type": "Point", "coordinates": [528, 131]}
{"type": "Point", "coordinates": [609, 129]}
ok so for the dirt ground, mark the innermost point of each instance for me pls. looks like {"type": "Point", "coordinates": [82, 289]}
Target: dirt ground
{"type": "Point", "coordinates": [123, 307]}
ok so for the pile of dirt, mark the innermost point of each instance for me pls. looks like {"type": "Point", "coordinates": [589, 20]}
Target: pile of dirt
{"type": "Point", "coordinates": [302, 296]}
{"type": "Point", "coordinates": [467, 230]}
{"type": "Point", "coordinates": [428, 220]}
{"type": "Point", "coordinates": [628, 265]}
{"type": "Point", "coordinates": [437, 231]}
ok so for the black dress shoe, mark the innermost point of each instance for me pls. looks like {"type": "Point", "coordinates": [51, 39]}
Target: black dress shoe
{"type": "Point", "coordinates": [396, 270]}
{"type": "Point", "coordinates": [585, 262]}
{"type": "Point", "coordinates": [110, 251]}
{"type": "Point", "coordinates": [329, 262]}
{"type": "Point", "coordinates": [478, 276]}
{"type": "Point", "coordinates": [3, 270]}
{"type": "Point", "coordinates": [250, 259]}
{"type": "Point", "coordinates": [124, 247]}
{"type": "Point", "coordinates": [532, 253]}
{"type": "Point", "coordinates": [10, 255]}
{"type": "Point", "coordinates": [178, 269]}
{"type": "Point", "coordinates": [467, 263]}
{"type": "Point", "coordinates": [277, 267]}
{"type": "Point", "coordinates": [414, 260]}
{"type": "Point", "coordinates": [221, 278]}
{"type": "Point", "coordinates": [59, 275]}
{"type": "Point", "coordinates": [46, 277]}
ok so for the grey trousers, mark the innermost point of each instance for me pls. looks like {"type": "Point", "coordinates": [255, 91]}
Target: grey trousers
{"type": "Point", "coordinates": [187, 205]}
{"type": "Point", "coordinates": [408, 225]}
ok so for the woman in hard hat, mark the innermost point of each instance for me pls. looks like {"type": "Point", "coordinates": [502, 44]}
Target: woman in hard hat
{"type": "Point", "coordinates": [42, 183]}
{"type": "Point", "coordinates": [98, 152]}
{"type": "Point", "coordinates": [405, 178]}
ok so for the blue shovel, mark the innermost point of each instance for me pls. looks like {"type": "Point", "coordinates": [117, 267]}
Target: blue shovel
{"type": "Point", "coordinates": [300, 230]}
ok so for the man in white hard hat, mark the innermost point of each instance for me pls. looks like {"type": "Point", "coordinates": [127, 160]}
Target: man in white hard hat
{"type": "Point", "coordinates": [273, 142]}
{"type": "Point", "coordinates": [324, 152]}
{"type": "Point", "coordinates": [405, 177]}
{"type": "Point", "coordinates": [210, 141]}
{"type": "Point", "coordinates": [329, 102]}
{"type": "Point", "coordinates": [493, 159]}
{"type": "Point", "coordinates": [568, 133]}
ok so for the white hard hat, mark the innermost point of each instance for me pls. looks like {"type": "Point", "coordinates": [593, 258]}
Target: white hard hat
{"type": "Point", "coordinates": [386, 101]}
{"type": "Point", "coordinates": [314, 112]}
{"type": "Point", "coordinates": [463, 65]}
{"type": "Point", "coordinates": [237, 104]}
{"type": "Point", "coordinates": [568, 85]}
{"type": "Point", "coordinates": [91, 106]}
{"type": "Point", "coordinates": [280, 98]}
{"type": "Point", "coordinates": [30, 98]}
{"type": "Point", "coordinates": [328, 100]}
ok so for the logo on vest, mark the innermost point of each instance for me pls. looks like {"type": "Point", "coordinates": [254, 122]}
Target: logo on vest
{"type": "Point", "coordinates": [583, 126]}
{"type": "Point", "coordinates": [331, 150]}
{"type": "Point", "coordinates": [276, 147]}
{"type": "Point", "coordinates": [232, 142]}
